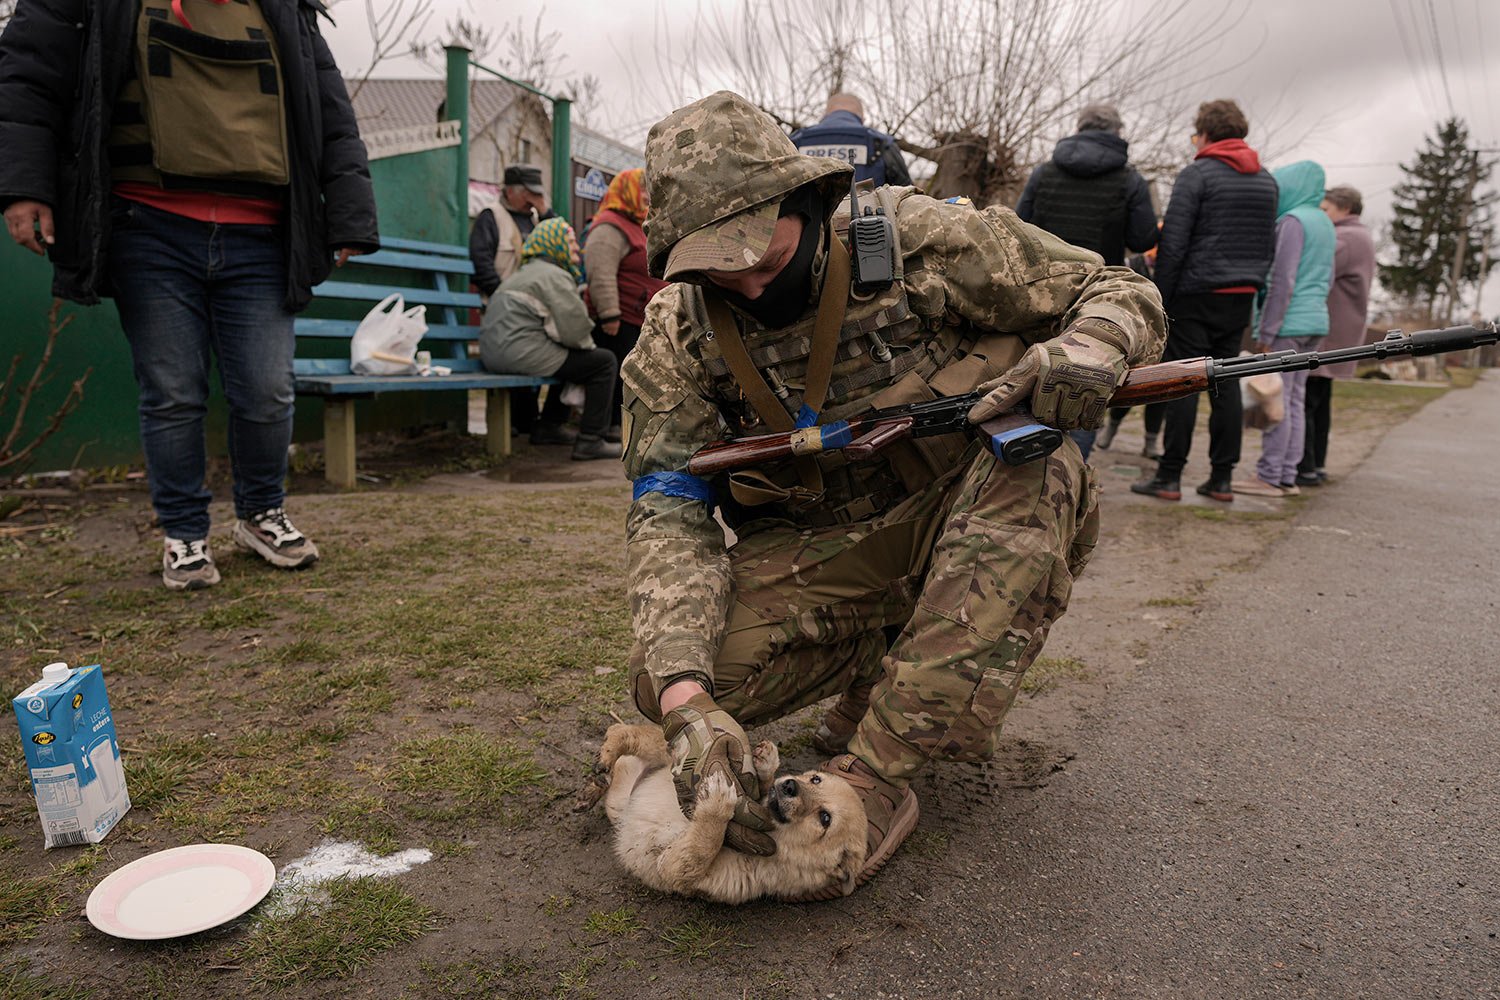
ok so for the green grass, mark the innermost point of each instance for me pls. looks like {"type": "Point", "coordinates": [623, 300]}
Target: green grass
{"type": "Point", "coordinates": [464, 774]}
{"type": "Point", "coordinates": [18, 983]}
{"type": "Point", "coordinates": [364, 817]}
{"type": "Point", "coordinates": [157, 773]}
{"type": "Point", "coordinates": [1172, 602]}
{"type": "Point", "coordinates": [28, 901]}
{"type": "Point", "coordinates": [475, 980]}
{"type": "Point", "coordinates": [929, 844]}
{"type": "Point", "coordinates": [1463, 378]}
{"type": "Point", "coordinates": [334, 937]}
{"type": "Point", "coordinates": [695, 940]}
{"type": "Point", "coordinates": [617, 923]}
{"type": "Point", "coordinates": [1049, 672]}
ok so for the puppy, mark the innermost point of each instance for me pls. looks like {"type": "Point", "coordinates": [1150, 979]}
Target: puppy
{"type": "Point", "coordinates": [819, 825]}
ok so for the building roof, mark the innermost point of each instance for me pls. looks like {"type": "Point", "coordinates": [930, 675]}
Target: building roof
{"type": "Point", "coordinates": [386, 104]}
{"type": "Point", "coordinates": [381, 105]}
{"type": "Point", "coordinates": [609, 155]}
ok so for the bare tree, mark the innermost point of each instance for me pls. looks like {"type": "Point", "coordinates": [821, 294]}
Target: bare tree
{"type": "Point", "coordinates": [21, 439]}
{"type": "Point", "coordinates": [981, 88]}
{"type": "Point", "coordinates": [393, 24]}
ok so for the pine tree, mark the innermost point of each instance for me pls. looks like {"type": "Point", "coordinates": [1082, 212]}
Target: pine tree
{"type": "Point", "coordinates": [1431, 206]}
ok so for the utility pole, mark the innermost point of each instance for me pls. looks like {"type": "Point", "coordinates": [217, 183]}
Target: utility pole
{"type": "Point", "coordinates": [1456, 273]}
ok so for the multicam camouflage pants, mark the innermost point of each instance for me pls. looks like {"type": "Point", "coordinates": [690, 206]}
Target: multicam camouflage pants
{"type": "Point", "coordinates": [974, 570]}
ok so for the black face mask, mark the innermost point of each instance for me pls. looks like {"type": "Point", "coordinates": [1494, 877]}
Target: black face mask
{"type": "Point", "coordinates": [785, 299]}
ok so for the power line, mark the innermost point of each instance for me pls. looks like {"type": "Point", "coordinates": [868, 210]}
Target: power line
{"type": "Point", "coordinates": [1437, 48]}
{"type": "Point", "coordinates": [1412, 62]}
{"type": "Point", "coordinates": [1484, 66]}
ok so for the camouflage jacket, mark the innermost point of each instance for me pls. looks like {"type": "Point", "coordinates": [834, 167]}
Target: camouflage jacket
{"type": "Point", "coordinates": [984, 271]}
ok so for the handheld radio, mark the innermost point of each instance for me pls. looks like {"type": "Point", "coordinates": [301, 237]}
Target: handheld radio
{"type": "Point", "coordinates": [872, 246]}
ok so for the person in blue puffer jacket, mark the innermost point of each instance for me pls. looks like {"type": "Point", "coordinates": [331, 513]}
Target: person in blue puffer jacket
{"type": "Point", "coordinates": [1294, 316]}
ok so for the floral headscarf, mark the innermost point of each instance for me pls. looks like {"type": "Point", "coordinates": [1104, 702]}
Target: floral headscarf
{"type": "Point", "coordinates": [549, 241]}
{"type": "Point", "coordinates": [625, 195]}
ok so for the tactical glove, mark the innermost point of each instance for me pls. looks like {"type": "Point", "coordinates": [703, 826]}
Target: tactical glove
{"type": "Point", "coordinates": [704, 740]}
{"type": "Point", "coordinates": [1066, 382]}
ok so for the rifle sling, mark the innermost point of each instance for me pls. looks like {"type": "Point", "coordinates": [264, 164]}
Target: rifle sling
{"type": "Point", "coordinates": [832, 303]}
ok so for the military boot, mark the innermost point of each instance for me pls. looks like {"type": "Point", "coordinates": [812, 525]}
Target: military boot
{"type": "Point", "coordinates": [890, 815]}
{"type": "Point", "coordinates": [837, 727]}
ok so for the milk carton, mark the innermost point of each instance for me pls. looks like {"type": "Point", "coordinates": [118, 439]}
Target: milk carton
{"type": "Point", "coordinates": [69, 738]}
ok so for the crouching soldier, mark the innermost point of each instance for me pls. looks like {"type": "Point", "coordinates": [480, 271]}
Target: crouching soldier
{"type": "Point", "coordinates": [918, 585]}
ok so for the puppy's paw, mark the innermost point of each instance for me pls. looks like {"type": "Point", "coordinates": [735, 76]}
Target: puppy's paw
{"type": "Point", "coordinates": [766, 760]}
{"type": "Point", "coordinates": [593, 789]}
{"type": "Point", "coordinates": [716, 798]}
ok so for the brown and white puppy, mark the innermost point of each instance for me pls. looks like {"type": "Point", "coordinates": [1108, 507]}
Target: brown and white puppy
{"type": "Point", "coordinates": [819, 825]}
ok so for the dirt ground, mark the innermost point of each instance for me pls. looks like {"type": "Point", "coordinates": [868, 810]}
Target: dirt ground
{"type": "Point", "coordinates": [442, 680]}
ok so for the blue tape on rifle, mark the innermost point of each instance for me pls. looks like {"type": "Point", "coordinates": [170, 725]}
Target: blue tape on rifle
{"type": "Point", "coordinates": [675, 484]}
{"type": "Point", "coordinates": [836, 434]}
{"type": "Point", "coordinates": [806, 417]}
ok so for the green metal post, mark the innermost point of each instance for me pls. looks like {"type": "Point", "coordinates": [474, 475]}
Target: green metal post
{"type": "Point", "coordinates": [562, 157]}
{"type": "Point", "coordinates": [457, 107]}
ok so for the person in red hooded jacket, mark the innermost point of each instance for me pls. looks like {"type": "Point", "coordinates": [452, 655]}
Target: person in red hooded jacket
{"type": "Point", "coordinates": [1217, 243]}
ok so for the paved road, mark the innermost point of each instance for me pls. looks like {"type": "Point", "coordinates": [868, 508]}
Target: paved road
{"type": "Point", "coordinates": [1300, 796]}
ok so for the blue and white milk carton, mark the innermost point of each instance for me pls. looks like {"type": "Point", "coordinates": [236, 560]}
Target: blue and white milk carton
{"type": "Point", "coordinates": [69, 737]}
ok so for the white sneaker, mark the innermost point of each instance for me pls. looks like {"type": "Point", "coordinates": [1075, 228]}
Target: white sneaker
{"type": "Point", "coordinates": [188, 565]}
{"type": "Point", "coordinates": [272, 536]}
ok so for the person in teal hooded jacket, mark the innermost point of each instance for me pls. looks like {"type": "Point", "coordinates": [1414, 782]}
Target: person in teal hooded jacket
{"type": "Point", "coordinates": [1294, 316]}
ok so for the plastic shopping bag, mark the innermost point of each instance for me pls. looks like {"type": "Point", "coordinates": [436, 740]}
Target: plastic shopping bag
{"type": "Point", "coordinates": [1261, 396]}
{"type": "Point", "coordinates": [386, 340]}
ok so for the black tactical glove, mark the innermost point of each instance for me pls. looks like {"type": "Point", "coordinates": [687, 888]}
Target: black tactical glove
{"type": "Point", "coordinates": [1066, 382]}
{"type": "Point", "coordinates": [705, 739]}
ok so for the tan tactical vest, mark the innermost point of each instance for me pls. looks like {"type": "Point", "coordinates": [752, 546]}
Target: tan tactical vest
{"type": "Point", "coordinates": [508, 245]}
{"type": "Point", "coordinates": [205, 104]}
{"type": "Point", "coordinates": [887, 356]}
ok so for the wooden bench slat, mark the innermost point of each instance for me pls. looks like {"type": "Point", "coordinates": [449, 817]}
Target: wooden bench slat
{"type": "Point", "coordinates": [340, 366]}
{"type": "Point", "coordinates": [346, 385]}
{"type": "Point", "coordinates": [416, 261]}
{"type": "Point", "coordinates": [343, 329]}
{"type": "Point", "coordinates": [374, 293]}
{"type": "Point", "coordinates": [423, 246]}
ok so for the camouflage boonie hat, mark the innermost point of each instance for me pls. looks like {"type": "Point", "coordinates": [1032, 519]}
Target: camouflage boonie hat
{"type": "Point", "coordinates": [714, 159]}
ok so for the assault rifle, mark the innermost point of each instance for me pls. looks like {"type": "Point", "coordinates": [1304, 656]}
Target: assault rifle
{"type": "Point", "coordinates": [1017, 438]}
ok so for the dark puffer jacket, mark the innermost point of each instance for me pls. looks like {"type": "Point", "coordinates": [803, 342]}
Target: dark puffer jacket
{"type": "Point", "coordinates": [1089, 195]}
{"type": "Point", "coordinates": [62, 62]}
{"type": "Point", "coordinates": [1220, 227]}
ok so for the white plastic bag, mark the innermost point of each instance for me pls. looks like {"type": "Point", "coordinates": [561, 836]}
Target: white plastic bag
{"type": "Point", "coordinates": [1260, 396]}
{"type": "Point", "coordinates": [572, 395]}
{"type": "Point", "coordinates": [386, 340]}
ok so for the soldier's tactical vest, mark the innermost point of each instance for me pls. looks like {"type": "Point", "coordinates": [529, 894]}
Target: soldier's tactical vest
{"type": "Point", "coordinates": [887, 356]}
{"type": "Point", "coordinates": [1087, 212]}
{"type": "Point", "coordinates": [204, 108]}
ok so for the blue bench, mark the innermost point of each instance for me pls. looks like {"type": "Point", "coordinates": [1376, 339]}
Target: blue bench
{"type": "Point", "coordinates": [446, 270]}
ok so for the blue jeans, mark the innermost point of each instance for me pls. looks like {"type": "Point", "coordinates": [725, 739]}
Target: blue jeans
{"type": "Point", "coordinates": [185, 288]}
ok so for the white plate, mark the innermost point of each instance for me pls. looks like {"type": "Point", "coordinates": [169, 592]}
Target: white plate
{"type": "Point", "coordinates": [180, 891]}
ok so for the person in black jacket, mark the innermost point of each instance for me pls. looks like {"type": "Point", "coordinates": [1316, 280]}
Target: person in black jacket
{"type": "Point", "coordinates": [207, 211]}
{"type": "Point", "coordinates": [1217, 243]}
{"type": "Point", "coordinates": [1089, 195]}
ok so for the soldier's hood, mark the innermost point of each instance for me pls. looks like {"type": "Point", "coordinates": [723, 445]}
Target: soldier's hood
{"type": "Point", "coordinates": [718, 157]}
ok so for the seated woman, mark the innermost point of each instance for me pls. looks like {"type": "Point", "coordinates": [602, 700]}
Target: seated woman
{"type": "Point", "coordinates": [536, 324]}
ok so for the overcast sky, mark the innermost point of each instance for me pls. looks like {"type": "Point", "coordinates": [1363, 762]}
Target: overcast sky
{"type": "Point", "coordinates": [1353, 84]}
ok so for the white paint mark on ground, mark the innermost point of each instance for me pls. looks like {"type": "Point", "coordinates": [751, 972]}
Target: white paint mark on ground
{"type": "Point", "coordinates": [1325, 529]}
{"type": "Point", "coordinates": [303, 879]}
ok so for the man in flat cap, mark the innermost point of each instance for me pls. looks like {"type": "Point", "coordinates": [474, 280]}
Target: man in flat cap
{"type": "Point", "coordinates": [495, 250]}
{"type": "Point", "coordinates": [916, 586]}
